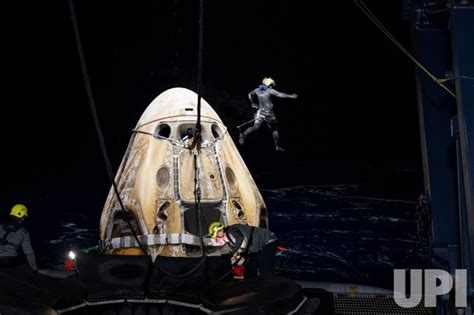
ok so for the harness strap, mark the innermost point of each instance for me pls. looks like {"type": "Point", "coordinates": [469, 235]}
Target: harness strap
{"type": "Point", "coordinates": [244, 247]}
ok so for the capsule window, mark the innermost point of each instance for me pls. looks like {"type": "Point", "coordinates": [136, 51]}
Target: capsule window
{"type": "Point", "coordinates": [163, 130]}
{"type": "Point", "coordinates": [239, 212]}
{"type": "Point", "coordinates": [163, 212]}
{"type": "Point", "coordinates": [186, 133]}
{"type": "Point", "coordinates": [236, 204]}
{"type": "Point", "coordinates": [230, 176]}
{"type": "Point", "coordinates": [163, 177]}
{"type": "Point", "coordinates": [216, 131]}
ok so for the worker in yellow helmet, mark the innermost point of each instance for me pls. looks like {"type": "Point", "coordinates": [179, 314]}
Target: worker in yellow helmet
{"type": "Point", "coordinates": [257, 244]}
{"type": "Point", "coordinates": [13, 237]}
{"type": "Point", "coordinates": [265, 110]}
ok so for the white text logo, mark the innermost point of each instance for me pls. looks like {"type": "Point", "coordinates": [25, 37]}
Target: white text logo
{"type": "Point", "coordinates": [436, 282]}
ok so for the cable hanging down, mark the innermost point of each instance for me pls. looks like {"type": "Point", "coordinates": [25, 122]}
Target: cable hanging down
{"type": "Point", "coordinates": [93, 109]}
{"type": "Point", "coordinates": [379, 24]}
{"type": "Point", "coordinates": [104, 149]}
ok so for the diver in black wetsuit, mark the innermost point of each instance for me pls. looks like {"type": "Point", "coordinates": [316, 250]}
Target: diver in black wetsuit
{"type": "Point", "coordinates": [265, 110]}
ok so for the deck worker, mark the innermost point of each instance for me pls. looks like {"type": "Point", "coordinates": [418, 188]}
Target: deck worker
{"type": "Point", "coordinates": [256, 244]}
{"type": "Point", "coordinates": [14, 236]}
{"type": "Point", "coordinates": [265, 110]}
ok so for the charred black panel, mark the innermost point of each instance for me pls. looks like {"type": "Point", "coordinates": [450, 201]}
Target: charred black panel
{"type": "Point", "coordinates": [211, 213]}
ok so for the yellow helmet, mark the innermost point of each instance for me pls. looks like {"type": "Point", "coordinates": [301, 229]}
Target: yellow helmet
{"type": "Point", "coordinates": [19, 211]}
{"type": "Point", "coordinates": [268, 81]}
{"type": "Point", "coordinates": [215, 227]}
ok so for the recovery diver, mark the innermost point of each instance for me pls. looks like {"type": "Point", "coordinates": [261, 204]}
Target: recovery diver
{"type": "Point", "coordinates": [14, 236]}
{"type": "Point", "coordinates": [265, 110]}
{"type": "Point", "coordinates": [257, 245]}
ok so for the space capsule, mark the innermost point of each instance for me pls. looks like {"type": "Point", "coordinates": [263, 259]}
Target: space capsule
{"type": "Point", "coordinates": [161, 175]}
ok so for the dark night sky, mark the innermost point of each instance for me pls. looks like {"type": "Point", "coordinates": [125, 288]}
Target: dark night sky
{"type": "Point", "coordinates": [355, 120]}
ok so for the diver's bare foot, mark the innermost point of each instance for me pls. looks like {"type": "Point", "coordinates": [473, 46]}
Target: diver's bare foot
{"type": "Point", "coordinates": [279, 149]}
{"type": "Point", "coordinates": [241, 139]}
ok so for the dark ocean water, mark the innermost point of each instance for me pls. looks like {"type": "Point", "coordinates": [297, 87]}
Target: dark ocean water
{"type": "Point", "coordinates": [334, 234]}
{"type": "Point", "coordinates": [331, 233]}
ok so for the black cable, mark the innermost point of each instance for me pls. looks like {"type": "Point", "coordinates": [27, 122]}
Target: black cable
{"type": "Point", "coordinates": [197, 200]}
{"type": "Point", "coordinates": [197, 191]}
{"type": "Point", "coordinates": [197, 145]}
{"type": "Point", "coordinates": [104, 149]}
{"type": "Point", "coordinates": [98, 128]}
{"type": "Point", "coordinates": [199, 78]}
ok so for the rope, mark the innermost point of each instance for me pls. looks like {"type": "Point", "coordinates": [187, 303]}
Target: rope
{"type": "Point", "coordinates": [197, 200]}
{"type": "Point", "coordinates": [458, 77]}
{"type": "Point", "coordinates": [98, 128]}
{"type": "Point", "coordinates": [197, 139]}
{"type": "Point", "coordinates": [104, 151]}
{"type": "Point", "coordinates": [197, 144]}
{"type": "Point", "coordinates": [374, 19]}
{"type": "Point", "coordinates": [199, 78]}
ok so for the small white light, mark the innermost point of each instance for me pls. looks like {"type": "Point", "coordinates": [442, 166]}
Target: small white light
{"type": "Point", "coordinates": [72, 255]}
